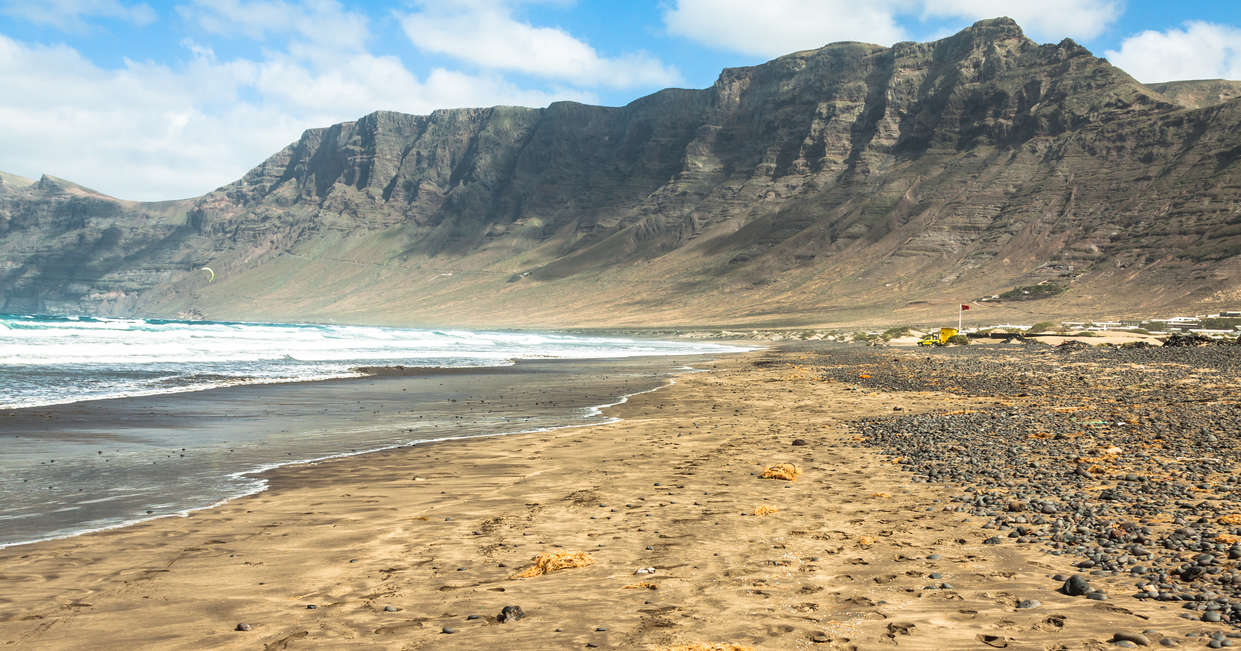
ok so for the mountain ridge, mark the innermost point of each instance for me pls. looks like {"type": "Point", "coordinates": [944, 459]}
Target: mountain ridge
{"type": "Point", "coordinates": [845, 183]}
{"type": "Point", "coordinates": [1199, 93]}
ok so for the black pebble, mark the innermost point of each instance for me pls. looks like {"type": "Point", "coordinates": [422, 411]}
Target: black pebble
{"type": "Point", "coordinates": [510, 614]}
{"type": "Point", "coordinates": [1075, 586]}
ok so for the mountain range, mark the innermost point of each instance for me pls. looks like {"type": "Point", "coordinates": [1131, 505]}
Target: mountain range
{"type": "Point", "coordinates": [853, 183]}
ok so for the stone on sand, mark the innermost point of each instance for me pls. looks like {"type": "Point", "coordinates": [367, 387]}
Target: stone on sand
{"type": "Point", "coordinates": [1075, 586]}
{"type": "Point", "coordinates": [510, 614]}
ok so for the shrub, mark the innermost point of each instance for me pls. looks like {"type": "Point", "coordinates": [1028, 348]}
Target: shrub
{"type": "Point", "coordinates": [893, 333]}
{"type": "Point", "coordinates": [1043, 326]}
{"type": "Point", "coordinates": [1220, 323]}
{"type": "Point", "coordinates": [958, 340]}
{"type": "Point", "coordinates": [1033, 292]}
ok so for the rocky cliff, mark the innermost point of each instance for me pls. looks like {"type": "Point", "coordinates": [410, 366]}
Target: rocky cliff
{"type": "Point", "coordinates": [853, 182]}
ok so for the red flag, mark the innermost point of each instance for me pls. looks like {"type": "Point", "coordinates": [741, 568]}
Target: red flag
{"type": "Point", "coordinates": [965, 307]}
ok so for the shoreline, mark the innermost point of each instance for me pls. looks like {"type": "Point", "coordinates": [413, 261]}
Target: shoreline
{"type": "Point", "coordinates": [257, 474]}
{"type": "Point", "coordinates": [363, 372]}
{"type": "Point", "coordinates": [62, 361]}
{"type": "Point", "coordinates": [137, 414]}
{"type": "Point", "coordinates": [420, 547]}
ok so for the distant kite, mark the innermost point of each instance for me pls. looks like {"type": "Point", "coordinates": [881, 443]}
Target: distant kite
{"type": "Point", "coordinates": [208, 270]}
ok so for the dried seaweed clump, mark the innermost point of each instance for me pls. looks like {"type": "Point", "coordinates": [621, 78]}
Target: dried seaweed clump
{"type": "Point", "coordinates": [551, 561]}
{"type": "Point", "coordinates": [701, 646]}
{"type": "Point", "coordinates": [785, 471]}
{"type": "Point", "coordinates": [763, 509]}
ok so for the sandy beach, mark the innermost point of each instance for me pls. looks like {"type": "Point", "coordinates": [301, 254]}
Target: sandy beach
{"type": "Point", "coordinates": [94, 464]}
{"type": "Point", "coordinates": [419, 547]}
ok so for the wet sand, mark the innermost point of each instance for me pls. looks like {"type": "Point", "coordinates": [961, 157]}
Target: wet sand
{"type": "Point", "coordinates": [399, 549]}
{"type": "Point", "coordinates": [93, 464]}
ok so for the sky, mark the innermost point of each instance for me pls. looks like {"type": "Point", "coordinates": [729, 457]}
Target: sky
{"type": "Point", "coordinates": [164, 100]}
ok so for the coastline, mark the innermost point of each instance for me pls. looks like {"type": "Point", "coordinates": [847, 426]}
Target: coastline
{"type": "Point", "coordinates": [50, 361]}
{"type": "Point", "coordinates": [418, 547]}
{"type": "Point", "coordinates": [446, 407]}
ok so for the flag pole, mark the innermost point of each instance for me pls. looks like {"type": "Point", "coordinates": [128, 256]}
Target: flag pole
{"type": "Point", "coordinates": [960, 315]}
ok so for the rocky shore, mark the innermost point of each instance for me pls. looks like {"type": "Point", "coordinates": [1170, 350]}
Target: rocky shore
{"type": "Point", "coordinates": [1124, 461]}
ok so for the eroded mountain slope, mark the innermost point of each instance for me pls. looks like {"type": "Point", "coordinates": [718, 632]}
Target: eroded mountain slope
{"type": "Point", "coordinates": [849, 183]}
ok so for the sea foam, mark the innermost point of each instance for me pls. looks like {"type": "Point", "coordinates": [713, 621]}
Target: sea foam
{"type": "Point", "coordinates": [46, 360]}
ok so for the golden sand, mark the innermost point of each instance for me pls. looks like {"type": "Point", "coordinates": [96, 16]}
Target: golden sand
{"type": "Point", "coordinates": [348, 536]}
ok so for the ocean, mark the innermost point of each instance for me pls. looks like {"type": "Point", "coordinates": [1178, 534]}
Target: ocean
{"type": "Point", "coordinates": [49, 360]}
{"type": "Point", "coordinates": [105, 422]}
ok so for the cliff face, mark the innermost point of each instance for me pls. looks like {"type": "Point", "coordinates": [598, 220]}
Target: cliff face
{"type": "Point", "coordinates": [831, 184]}
{"type": "Point", "coordinates": [65, 248]}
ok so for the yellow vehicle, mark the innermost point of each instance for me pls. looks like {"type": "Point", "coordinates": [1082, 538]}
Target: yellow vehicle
{"type": "Point", "coordinates": [941, 339]}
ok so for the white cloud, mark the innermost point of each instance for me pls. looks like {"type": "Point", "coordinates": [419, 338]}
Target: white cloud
{"type": "Point", "coordinates": [775, 27]}
{"type": "Point", "coordinates": [151, 131]}
{"type": "Point", "coordinates": [485, 34]}
{"type": "Point", "coordinates": [176, 128]}
{"type": "Point", "coordinates": [1046, 20]}
{"type": "Point", "coordinates": [69, 15]}
{"type": "Point", "coordinates": [1200, 50]}
{"type": "Point", "coordinates": [323, 24]}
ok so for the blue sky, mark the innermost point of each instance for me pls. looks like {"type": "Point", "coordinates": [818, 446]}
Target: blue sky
{"type": "Point", "coordinates": [158, 100]}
